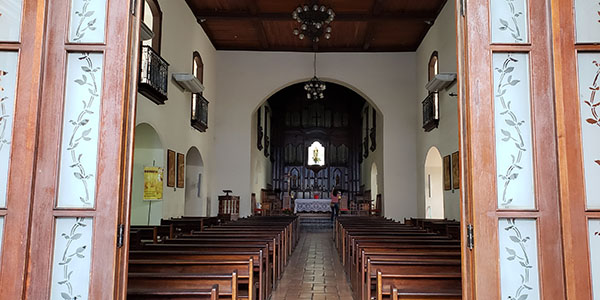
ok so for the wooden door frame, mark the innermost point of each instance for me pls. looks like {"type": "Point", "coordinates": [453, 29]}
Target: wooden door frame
{"type": "Point", "coordinates": [464, 145]}
{"type": "Point", "coordinates": [479, 205]}
{"type": "Point", "coordinates": [572, 178]}
{"type": "Point", "coordinates": [25, 130]}
{"type": "Point", "coordinates": [113, 146]}
{"type": "Point", "coordinates": [122, 259]}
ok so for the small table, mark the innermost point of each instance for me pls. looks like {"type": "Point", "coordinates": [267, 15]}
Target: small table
{"type": "Point", "coordinates": [312, 205]}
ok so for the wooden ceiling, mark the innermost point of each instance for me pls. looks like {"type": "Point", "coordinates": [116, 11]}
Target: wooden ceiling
{"type": "Point", "coordinates": [359, 25]}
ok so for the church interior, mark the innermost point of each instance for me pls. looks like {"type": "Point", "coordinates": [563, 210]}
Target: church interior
{"type": "Point", "coordinates": [264, 144]}
{"type": "Point", "coordinates": [291, 150]}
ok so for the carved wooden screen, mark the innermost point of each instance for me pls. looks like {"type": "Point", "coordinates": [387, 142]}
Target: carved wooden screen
{"type": "Point", "coordinates": [75, 69]}
{"type": "Point", "coordinates": [509, 151]}
{"type": "Point", "coordinates": [577, 81]}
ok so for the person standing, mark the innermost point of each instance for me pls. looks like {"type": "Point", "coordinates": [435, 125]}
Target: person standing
{"type": "Point", "coordinates": [335, 203]}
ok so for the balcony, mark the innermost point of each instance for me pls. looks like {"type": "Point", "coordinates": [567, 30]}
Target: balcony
{"type": "Point", "coordinates": [199, 117]}
{"type": "Point", "coordinates": [154, 75]}
{"type": "Point", "coordinates": [431, 118]}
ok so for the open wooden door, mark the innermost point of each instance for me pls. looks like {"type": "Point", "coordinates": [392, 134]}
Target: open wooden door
{"type": "Point", "coordinates": [577, 82]}
{"type": "Point", "coordinates": [21, 48]}
{"type": "Point", "coordinates": [65, 145]}
{"type": "Point", "coordinates": [511, 195]}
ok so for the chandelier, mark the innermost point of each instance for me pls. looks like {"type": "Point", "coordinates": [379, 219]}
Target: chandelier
{"type": "Point", "coordinates": [314, 21]}
{"type": "Point", "coordinates": [315, 87]}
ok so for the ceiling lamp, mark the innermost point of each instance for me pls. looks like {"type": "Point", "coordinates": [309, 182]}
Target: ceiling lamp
{"type": "Point", "coordinates": [315, 87]}
{"type": "Point", "coordinates": [314, 21]}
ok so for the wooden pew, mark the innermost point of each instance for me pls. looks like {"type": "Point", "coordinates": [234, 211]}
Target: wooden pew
{"type": "Point", "coordinates": [419, 286]}
{"type": "Point", "coordinates": [166, 294]}
{"type": "Point", "coordinates": [199, 256]}
{"type": "Point", "coordinates": [413, 261]}
{"type": "Point", "coordinates": [206, 251]}
{"type": "Point", "coordinates": [150, 283]}
{"type": "Point", "coordinates": [408, 267]}
{"type": "Point", "coordinates": [245, 269]}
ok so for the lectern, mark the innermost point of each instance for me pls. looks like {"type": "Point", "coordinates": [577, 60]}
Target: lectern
{"type": "Point", "coordinates": [229, 206]}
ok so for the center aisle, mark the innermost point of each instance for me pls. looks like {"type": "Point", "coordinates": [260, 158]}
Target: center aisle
{"type": "Point", "coordinates": [314, 271]}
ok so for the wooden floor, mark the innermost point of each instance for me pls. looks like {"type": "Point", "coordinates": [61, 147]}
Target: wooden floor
{"type": "Point", "coordinates": [314, 271]}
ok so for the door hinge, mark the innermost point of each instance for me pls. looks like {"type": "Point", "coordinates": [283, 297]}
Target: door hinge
{"type": "Point", "coordinates": [120, 235]}
{"type": "Point", "coordinates": [470, 241]}
{"type": "Point", "coordinates": [463, 7]}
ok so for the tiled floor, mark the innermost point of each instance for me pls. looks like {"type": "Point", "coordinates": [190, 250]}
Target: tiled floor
{"type": "Point", "coordinates": [314, 271]}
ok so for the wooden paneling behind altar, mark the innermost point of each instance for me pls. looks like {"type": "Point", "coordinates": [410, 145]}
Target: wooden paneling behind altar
{"type": "Point", "coordinates": [336, 122]}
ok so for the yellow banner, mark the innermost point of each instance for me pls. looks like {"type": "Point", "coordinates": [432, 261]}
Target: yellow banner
{"type": "Point", "coordinates": [153, 183]}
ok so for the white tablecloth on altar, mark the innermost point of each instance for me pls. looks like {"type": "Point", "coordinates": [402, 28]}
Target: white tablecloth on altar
{"type": "Point", "coordinates": [312, 205]}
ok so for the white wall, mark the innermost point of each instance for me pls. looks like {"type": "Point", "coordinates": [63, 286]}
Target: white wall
{"type": "Point", "coordinates": [246, 79]}
{"type": "Point", "coordinates": [442, 38]}
{"type": "Point", "coordinates": [181, 36]}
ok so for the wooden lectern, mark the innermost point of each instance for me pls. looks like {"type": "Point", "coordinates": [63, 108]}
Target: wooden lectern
{"type": "Point", "coordinates": [229, 206]}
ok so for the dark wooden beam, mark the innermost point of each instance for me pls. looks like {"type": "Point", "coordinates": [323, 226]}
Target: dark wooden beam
{"type": "Point", "coordinates": [370, 32]}
{"type": "Point", "coordinates": [399, 48]}
{"type": "Point", "coordinates": [258, 25]}
{"type": "Point", "coordinates": [245, 15]}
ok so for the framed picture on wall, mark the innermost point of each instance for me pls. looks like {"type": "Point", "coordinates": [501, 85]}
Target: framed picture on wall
{"type": "Point", "coordinates": [180, 170]}
{"type": "Point", "coordinates": [447, 174]}
{"type": "Point", "coordinates": [170, 168]}
{"type": "Point", "coordinates": [455, 171]}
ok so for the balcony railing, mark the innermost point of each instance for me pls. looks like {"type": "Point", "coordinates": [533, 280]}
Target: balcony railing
{"type": "Point", "coordinates": [431, 117]}
{"type": "Point", "coordinates": [199, 117]}
{"type": "Point", "coordinates": [154, 76]}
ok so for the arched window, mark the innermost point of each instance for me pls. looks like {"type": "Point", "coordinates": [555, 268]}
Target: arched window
{"type": "Point", "coordinates": [431, 109]}
{"type": "Point", "coordinates": [198, 68]}
{"type": "Point", "coordinates": [152, 17]}
{"type": "Point", "coordinates": [434, 67]}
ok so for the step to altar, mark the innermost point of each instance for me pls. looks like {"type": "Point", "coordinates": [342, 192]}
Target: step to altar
{"type": "Point", "coordinates": [315, 222]}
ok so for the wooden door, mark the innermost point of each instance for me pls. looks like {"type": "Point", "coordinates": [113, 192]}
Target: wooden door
{"type": "Point", "coordinates": [510, 195]}
{"type": "Point", "coordinates": [65, 65]}
{"type": "Point", "coordinates": [21, 33]}
{"type": "Point", "coordinates": [577, 81]}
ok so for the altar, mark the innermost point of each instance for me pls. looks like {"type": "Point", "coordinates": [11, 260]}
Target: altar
{"type": "Point", "coordinates": [312, 205]}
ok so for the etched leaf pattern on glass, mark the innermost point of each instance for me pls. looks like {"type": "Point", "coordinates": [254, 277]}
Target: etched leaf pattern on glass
{"type": "Point", "coordinates": [4, 114]}
{"type": "Point", "coordinates": [68, 255]}
{"type": "Point", "coordinates": [86, 22]}
{"type": "Point", "coordinates": [593, 102]}
{"type": "Point", "coordinates": [513, 133]}
{"type": "Point", "coordinates": [519, 253]}
{"type": "Point", "coordinates": [512, 26]}
{"type": "Point", "coordinates": [80, 132]}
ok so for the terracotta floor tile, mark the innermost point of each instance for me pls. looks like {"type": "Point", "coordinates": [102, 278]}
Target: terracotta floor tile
{"type": "Point", "coordinates": [314, 272]}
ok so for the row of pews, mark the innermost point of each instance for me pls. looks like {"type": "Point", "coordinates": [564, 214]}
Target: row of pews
{"type": "Point", "coordinates": [235, 260]}
{"type": "Point", "coordinates": [169, 229]}
{"type": "Point", "coordinates": [391, 260]}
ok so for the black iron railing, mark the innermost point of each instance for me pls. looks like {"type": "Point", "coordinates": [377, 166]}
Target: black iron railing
{"type": "Point", "coordinates": [430, 112]}
{"type": "Point", "coordinates": [154, 76]}
{"type": "Point", "coordinates": [199, 117]}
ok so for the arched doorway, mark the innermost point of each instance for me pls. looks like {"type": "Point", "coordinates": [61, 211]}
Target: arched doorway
{"type": "Point", "coordinates": [434, 185]}
{"type": "Point", "coordinates": [194, 191]}
{"type": "Point", "coordinates": [374, 189]}
{"type": "Point", "coordinates": [348, 127]}
{"type": "Point", "coordinates": [148, 152]}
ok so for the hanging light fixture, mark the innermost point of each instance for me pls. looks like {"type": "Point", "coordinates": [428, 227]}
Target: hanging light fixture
{"type": "Point", "coordinates": [315, 87]}
{"type": "Point", "coordinates": [314, 21]}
